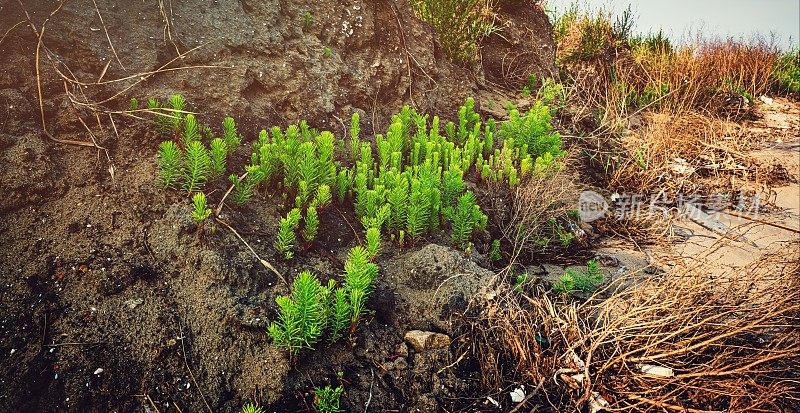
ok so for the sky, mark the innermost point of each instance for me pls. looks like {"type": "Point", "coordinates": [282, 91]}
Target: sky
{"type": "Point", "coordinates": [723, 18]}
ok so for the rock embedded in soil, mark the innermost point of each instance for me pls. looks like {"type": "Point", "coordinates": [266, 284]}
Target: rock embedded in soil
{"type": "Point", "coordinates": [426, 340]}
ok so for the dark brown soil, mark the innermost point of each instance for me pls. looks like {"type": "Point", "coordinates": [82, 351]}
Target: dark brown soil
{"type": "Point", "coordinates": [111, 301]}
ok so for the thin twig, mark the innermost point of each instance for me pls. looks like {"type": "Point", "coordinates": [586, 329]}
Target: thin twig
{"type": "Point", "coordinates": [152, 403]}
{"type": "Point", "coordinates": [9, 30]}
{"type": "Point", "coordinates": [102, 23]}
{"type": "Point", "coordinates": [263, 262]}
{"type": "Point", "coordinates": [222, 201]}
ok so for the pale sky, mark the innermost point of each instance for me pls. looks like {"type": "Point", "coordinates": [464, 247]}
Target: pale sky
{"type": "Point", "coordinates": [723, 18]}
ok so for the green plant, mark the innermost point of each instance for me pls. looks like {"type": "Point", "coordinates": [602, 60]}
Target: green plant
{"type": "Point", "coordinates": [169, 163]}
{"type": "Point", "coordinates": [311, 224]}
{"type": "Point", "coordinates": [586, 281]}
{"type": "Point", "coordinates": [327, 399]}
{"type": "Point", "coordinates": [287, 237]}
{"type": "Point", "coordinates": [197, 166]}
{"type": "Point", "coordinates": [360, 273]}
{"type": "Point", "coordinates": [494, 251]}
{"type": "Point", "coordinates": [373, 236]}
{"type": "Point", "coordinates": [355, 143]}
{"type": "Point", "coordinates": [201, 211]}
{"type": "Point", "coordinates": [230, 135]}
{"type": "Point", "coordinates": [133, 104]}
{"type": "Point", "coordinates": [326, 52]}
{"type": "Point", "coordinates": [519, 281]}
{"type": "Point", "coordinates": [191, 130]}
{"type": "Point", "coordinates": [461, 24]}
{"type": "Point", "coordinates": [301, 315]}
{"type": "Point", "coordinates": [786, 73]}
{"type": "Point", "coordinates": [323, 196]}
{"type": "Point", "coordinates": [464, 218]}
{"type": "Point", "coordinates": [340, 314]}
{"type": "Point", "coordinates": [532, 132]}
{"type": "Point", "coordinates": [251, 408]}
{"type": "Point", "coordinates": [218, 155]}
{"type": "Point", "coordinates": [308, 19]}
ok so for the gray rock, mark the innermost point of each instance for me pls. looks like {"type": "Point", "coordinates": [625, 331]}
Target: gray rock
{"type": "Point", "coordinates": [426, 340]}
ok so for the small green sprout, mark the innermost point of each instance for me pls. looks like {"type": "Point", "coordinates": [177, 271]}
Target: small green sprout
{"type": "Point", "coordinates": [326, 52]}
{"type": "Point", "coordinates": [519, 282]}
{"type": "Point", "coordinates": [133, 104]}
{"type": "Point", "coordinates": [308, 19]}
{"type": "Point", "coordinates": [201, 211]}
{"type": "Point", "coordinates": [251, 408]}
{"type": "Point", "coordinates": [494, 251]}
{"type": "Point", "coordinates": [197, 166]}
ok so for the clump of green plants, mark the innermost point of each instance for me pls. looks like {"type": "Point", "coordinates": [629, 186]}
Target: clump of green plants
{"type": "Point", "coordinates": [192, 156]}
{"type": "Point", "coordinates": [312, 308]}
{"type": "Point", "coordinates": [328, 399]}
{"type": "Point", "coordinates": [461, 24]}
{"type": "Point", "coordinates": [465, 218]}
{"type": "Point", "coordinates": [302, 315]}
{"type": "Point", "coordinates": [584, 281]}
{"type": "Point", "coordinates": [657, 43]}
{"type": "Point", "coordinates": [787, 72]}
{"type": "Point", "coordinates": [532, 132]}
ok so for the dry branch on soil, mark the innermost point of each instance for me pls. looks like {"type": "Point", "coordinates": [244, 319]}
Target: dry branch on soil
{"type": "Point", "coordinates": [679, 341]}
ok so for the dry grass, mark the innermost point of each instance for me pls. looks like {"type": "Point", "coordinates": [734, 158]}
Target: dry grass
{"type": "Point", "coordinates": [683, 153]}
{"type": "Point", "coordinates": [525, 220]}
{"type": "Point", "coordinates": [722, 343]}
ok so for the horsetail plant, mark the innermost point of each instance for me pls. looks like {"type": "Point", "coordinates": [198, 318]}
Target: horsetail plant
{"type": "Point", "coordinates": [197, 166]}
{"type": "Point", "coordinates": [191, 131]}
{"type": "Point", "coordinates": [218, 155]}
{"type": "Point", "coordinates": [301, 315]}
{"type": "Point", "coordinates": [229, 134]}
{"type": "Point", "coordinates": [360, 273]}
{"type": "Point", "coordinates": [286, 234]}
{"type": "Point", "coordinates": [201, 210]}
{"type": "Point", "coordinates": [373, 236]}
{"type": "Point", "coordinates": [340, 314]}
{"type": "Point", "coordinates": [310, 224]}
{"type": "Point", "coordinates": [169, 163]}
{"type": "Point", "coordinates": [465, 217]}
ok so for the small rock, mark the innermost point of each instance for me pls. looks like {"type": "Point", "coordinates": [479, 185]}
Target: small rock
{"type": "Point", "coordinates": [401, 363]}
{"type": "Point", "coordinates": [133, 303]}
{"type": "Point", "coordinates": [402, 350]}
{"type": "Point", "coordinates": [426, 340]}
{"type": "Point", "coordinates": [98, 371]}
{"type": "Point", "coordinates": [766, 99]}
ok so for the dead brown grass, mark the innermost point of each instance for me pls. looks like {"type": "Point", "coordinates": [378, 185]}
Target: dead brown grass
{"type": "Point", "coordinates": [682, 341]}
{"type": "Point", "coordinates": [685, 153]}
